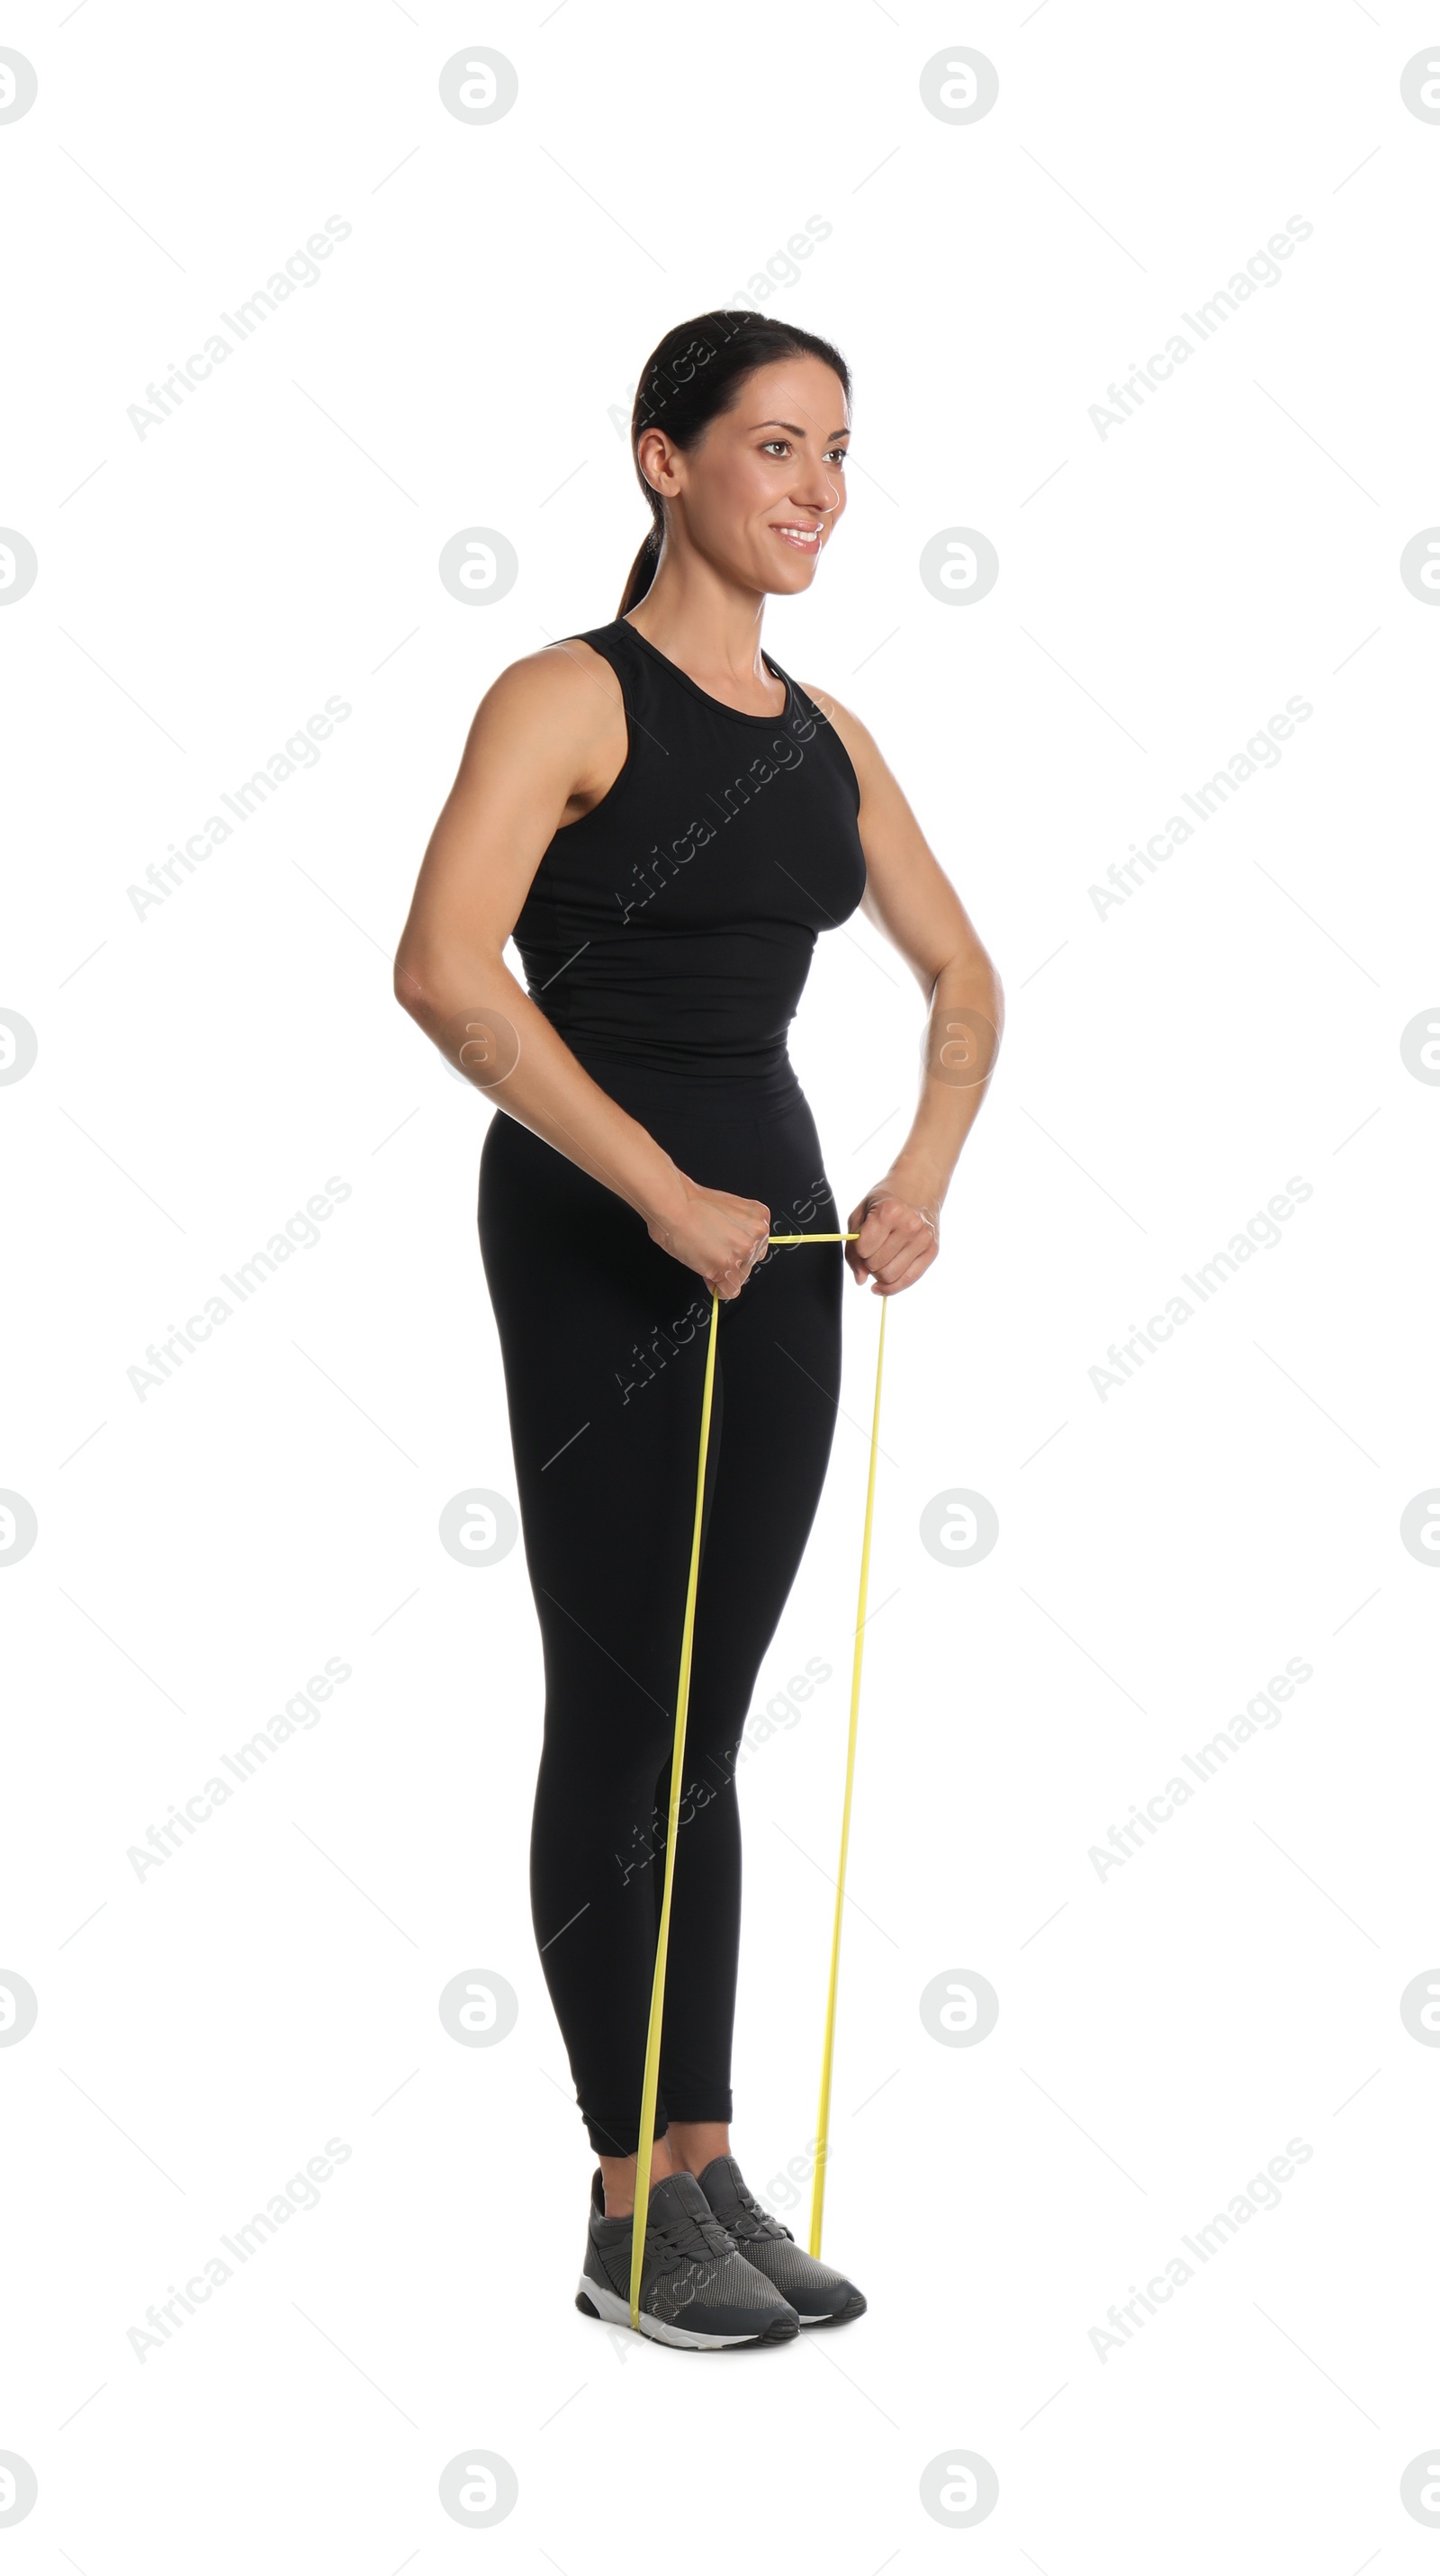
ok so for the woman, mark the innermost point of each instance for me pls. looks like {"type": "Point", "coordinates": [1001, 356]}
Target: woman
{"type": "Point", "coordinates": [665, 821]}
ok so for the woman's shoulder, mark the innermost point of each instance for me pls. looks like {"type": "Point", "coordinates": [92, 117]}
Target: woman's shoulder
{"type": "Point", "coordinates": [566, 685]}
{"type": "Point", "coordinates": [854, 737]}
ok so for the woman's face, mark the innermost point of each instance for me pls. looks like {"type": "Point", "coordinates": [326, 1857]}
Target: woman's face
{"type": "Point", "coordinates": [763, 490]}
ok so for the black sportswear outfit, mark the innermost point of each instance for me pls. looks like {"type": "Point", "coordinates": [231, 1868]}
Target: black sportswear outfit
{"type": "Point", "coordinates": [667, 936]}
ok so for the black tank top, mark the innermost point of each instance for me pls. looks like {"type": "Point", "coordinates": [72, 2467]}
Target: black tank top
{"type": "Point", "coordinates": [672, 927]}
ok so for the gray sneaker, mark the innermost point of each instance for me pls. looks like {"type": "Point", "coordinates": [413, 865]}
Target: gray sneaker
{"type": "Point", "coordinates": [819, 2295]}
{"type": "Point", "coordinates": [696, 2289]}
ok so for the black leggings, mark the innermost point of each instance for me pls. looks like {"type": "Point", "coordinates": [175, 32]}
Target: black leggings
{"type": "Point", "coordinates": [603, 1338]}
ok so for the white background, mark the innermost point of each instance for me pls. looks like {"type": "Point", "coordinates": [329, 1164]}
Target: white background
{"type": "Point", "coordinates": [1168, 1067]}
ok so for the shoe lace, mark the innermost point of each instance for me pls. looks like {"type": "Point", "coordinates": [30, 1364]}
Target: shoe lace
{"type": "Point", "coordinates": [684, 2238]}
{"type": "Point", "coordinates": [758, 2221]}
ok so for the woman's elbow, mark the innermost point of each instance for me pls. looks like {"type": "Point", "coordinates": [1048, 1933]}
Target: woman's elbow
{"type": "Point", "coordinates": [408, 990]}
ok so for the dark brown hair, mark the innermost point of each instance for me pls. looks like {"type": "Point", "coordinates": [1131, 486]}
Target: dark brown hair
{"type": "Point", "coordinates": [693, 375]}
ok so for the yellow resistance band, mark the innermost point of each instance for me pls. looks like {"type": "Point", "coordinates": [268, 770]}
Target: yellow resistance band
{"type": "Point", "coordinates": [651, 2086]}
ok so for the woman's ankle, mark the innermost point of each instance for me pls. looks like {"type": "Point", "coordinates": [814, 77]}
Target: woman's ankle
{"type": "Point", "coordinates": [696, 2143]}
{"type": "Point", "coordinates": [618, 2175]}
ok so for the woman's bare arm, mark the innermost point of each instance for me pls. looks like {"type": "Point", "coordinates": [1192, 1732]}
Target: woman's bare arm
{"type": "Point", "coordinates": [909, 897]}
{"type": "Point", "coordinates": [548, 737]}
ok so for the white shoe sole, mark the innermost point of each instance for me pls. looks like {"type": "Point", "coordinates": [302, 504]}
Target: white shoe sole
{"type": "Point", "coordinates": [854, 2307]}
{"type": "Point", "coordinates": [615, 2311]}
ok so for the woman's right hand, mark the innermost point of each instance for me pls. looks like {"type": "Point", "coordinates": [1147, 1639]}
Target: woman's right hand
{"type": "Point", "coordinates": [715, 1233]}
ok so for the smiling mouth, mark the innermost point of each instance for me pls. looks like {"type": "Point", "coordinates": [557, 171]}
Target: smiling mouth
{"type": "Point", "coordinates": [806, 541]}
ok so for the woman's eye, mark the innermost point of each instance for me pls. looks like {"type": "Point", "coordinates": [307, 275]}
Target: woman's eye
{"type": "Point", "coordinates": [769, 447]}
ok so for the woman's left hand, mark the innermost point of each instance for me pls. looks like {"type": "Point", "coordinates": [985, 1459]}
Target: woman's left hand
{"type": "Point", "coordinates": [898, 1239]}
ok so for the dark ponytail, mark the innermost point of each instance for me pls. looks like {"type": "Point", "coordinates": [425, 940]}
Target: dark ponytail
{"type": "Point", "coordinates": [692, 376]}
